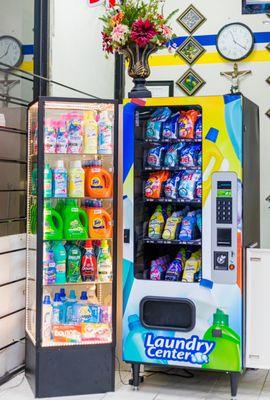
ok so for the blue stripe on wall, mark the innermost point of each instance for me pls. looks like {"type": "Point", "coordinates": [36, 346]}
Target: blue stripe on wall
{"type": "Point", "coordinates": [210, 40]}
{"type": "Point", "coordinates": [28, 49]}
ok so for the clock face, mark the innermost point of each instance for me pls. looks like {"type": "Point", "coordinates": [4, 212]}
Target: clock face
{"type": "Point", "coordinates": [10, 52]}
{"type": "Point", "coordinates": [235, 41]}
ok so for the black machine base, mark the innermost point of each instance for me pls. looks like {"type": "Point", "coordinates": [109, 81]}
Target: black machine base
{"type": "Point", "coordinates": [70, 370]}
{"type": "Point", "coordinates": [139, 91]}
{"type": "Point", "coordinates": [234, 378]}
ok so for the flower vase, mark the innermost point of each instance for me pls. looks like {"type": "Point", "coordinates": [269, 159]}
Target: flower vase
{"type": "Point", "coordinates": [138, 67]}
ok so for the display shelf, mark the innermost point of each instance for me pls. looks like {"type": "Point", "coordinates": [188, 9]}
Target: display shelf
{"type": "Point", "coordinates": [176, 201]}
{"type": "Point", "coordinates": [73, 198]}
{"type": "Point", "coordinates": [196, 242]}
{"type": "Point", "coordinates": [174, 169]}
{"type": "Point", "coordinates": [75, 240]}
{"type": "Point", "coordinates": [78, 283]}
{"type": "Point", "coordinates": [187, 140]}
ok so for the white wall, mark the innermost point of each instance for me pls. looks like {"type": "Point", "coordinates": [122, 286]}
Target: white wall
{"type": "Point", "coordinates": [219, 13]}
{"type": "Point", "coordinates": [76, 56]}
{"type": "Point", "coordinates": [17, 19]}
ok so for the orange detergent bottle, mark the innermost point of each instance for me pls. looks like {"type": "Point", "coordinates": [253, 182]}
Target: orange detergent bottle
{"type": "Point", "coordinates": [98, 181]}
{"type": "Point", "coordinates": [100, 221]}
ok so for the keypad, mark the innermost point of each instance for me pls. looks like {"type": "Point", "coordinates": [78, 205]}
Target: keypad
{"type": "Point", "coordinates": [224, 211]}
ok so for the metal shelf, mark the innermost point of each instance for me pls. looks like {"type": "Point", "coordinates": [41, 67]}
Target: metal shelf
{"type": "Point", "coordinates": [174, 169]}
{"type": "Point", "coordinates": [176, 201]}
{"type": "Point", "coordinates": [78, 283]}
{"type": "Point", "coordinates": [197, 242]}
{"type": "Point", "coordinates": [195, 140]}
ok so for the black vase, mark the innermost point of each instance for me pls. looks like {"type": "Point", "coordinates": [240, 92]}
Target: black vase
{"type": "Point", "coordinates": [138, 67]}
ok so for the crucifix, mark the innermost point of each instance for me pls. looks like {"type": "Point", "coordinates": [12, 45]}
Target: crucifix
{"type": "Point", "coordinates": [235, 76]}
{"type": "Point", "coordinates": [5, 85]}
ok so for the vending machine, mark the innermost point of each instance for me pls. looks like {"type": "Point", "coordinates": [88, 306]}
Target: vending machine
{"type": "Point", "coordinates": [71, 246]}
{"type": "Point", "coordinates": [191, 208]}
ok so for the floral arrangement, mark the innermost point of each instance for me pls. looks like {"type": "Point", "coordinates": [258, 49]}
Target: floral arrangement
{"type": "Point", "coordinates": [134, 21]}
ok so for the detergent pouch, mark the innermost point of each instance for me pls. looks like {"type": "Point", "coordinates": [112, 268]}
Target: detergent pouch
{"type": "Point", "coordinates": [192, 266]}
{"type": "Point", "coordinates": [199, 159]}
{"type": "Point", "coordinates": [157, 270]}
{"type": "Point", "coordinates": [188, 227]}
{"type": "Point", "coordinates": [175, 269]}
{"type": "Point", "coordinates": [187, 122]}
{"type": "Point", "coordinates": [172, 226]}
{"type": "Point", "coordinates": [62, 138]}
{"type": "Point", "coordinates": [153, 185]}
{"type": "Point", "coordinates": [187, 184]}
{"type": "Point", "coordinates": [189, 155]}
{"type": "Point", "coordinates": [171, 186]}
{"type": "Point", "coordinates": [154, 124]}
{"type": "Point", "coordinates": [170, 126]}
{"type": "Point", "coordinates": [50, 136]}
{"type": "Point", "coordinates": [171, 159]}
{"type": "Point", "coordinates": [154, 157]}
{"type": "Point", "coordinates": [75, 133]}
{"type": "Point", "coordinates": [199, 220]}
{"type": "Point", "coordinates": [199, 188]}
{"type": "Point", "coordinates": [198, 127]}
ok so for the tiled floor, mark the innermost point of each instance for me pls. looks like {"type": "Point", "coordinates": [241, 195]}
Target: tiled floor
{"type": "Point", "coordinates": [254, 385]}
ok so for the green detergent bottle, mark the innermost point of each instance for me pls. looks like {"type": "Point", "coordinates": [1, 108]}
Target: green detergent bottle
{"type": "Point", "coordinates": [75, 221]}
{"type": "Point", "coordinates": [226, 355]}
{"type": "Point", "coordinates": [74, 256]}
{"type": "Point", "coordinates": [53, 224]}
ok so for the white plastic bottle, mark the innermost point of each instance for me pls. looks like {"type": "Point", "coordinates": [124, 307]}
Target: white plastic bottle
{"type": "Point", "coordinates": [46, 320]}
{"type": "Point", "coordinates": [90, 140]}
{"type": "Point", "coordinates": [76, 178]}
{"type": "Point", "coordinates": [105, 132]}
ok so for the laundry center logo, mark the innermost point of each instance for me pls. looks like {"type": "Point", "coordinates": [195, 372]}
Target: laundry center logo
{"type": "Point", "coordinates": [193, 350]}
{"type": "Point", "coordinates": [96, 3]}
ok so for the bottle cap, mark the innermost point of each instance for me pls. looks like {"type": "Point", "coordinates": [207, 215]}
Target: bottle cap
{"type": "Point", "coordinates": [72, 294]}
{"type": "Point", "coordinates": [62, 292]}
{"type": "Point", "coordinates": [220, 318]}
{"type": "Point", "coordinates": [60, 164]}
{"type": "Point", "coordinates": [212, 135]}
{"type": "Point", "coordinates": [57, 297]}
{"type": "Point", "coordinates": [133, 321]}
{"type": "Point", "coordinates": [88, 244]}
{"type": "Point", "coordinates": [76, 164]}
{"type": "Point", "coordinates": [47, 299]}
{"type": "Point", "coordinates": [84, 296]}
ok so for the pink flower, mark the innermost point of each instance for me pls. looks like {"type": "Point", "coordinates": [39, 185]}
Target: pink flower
{"type": "Point", "coordinates": [142, 32]}
{"type": "Point", "coordinates": [166, 32]}
{"type": "Point", "coordinates": [119, 33]}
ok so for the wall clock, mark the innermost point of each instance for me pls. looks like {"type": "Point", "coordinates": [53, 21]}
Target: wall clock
{"type": "Point", "coordinates": [235, 41]}
{"type": "Point", "coordinates": [10, 52]}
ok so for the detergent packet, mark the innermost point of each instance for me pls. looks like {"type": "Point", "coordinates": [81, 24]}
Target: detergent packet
{"type": "Point", "coordinates": [198, 127]}
{"type": "Point", "coordinates": [199, 220]}
{"type": "Point", "coordinates": [158, 270]}
{"type": "Point", "coordinates": [189, 155]}
{"type": "Point", "coordinates": [172, 226]}
{"type": "Point", "coordinates": [172, 155]}
{"type": "Point", "coordinates": [188, 227]}
{"type": "Point", "coordinates": [155, 155]}
{"type": "Point", "coordinates": [154, 124]}
{"type": "Point", "coordinates": [187, 122]}
{"type": "Point", "coordinates": [62, 137]}
{"type": "Point", "coordinates": [170, 127]}
{"type": "Point", "coordinates": [171, 186]}
{"type": "Point", "coordinates": [176, 267]}
{"type": "Point", "coordinates": [75, 132]}
{"type": "Point", "coordinates": [154, 184]}
{"type": "Point", "coordinates": [199, 188]}
{"type": "Point", "coordinates": [199, 159]}
{"type": "Point", "coordinates": [192, 267]}
{"type": "Point", "coordinates": [50, 135]}
{"type": "Point", "coordinates": [187, 184]}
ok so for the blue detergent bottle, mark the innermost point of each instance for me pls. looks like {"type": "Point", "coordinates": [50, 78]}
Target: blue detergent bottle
{"type": "Point", "coordinates": [134, 349]}
{"type": "Point", "coordinates": [69, 306]}
{"type": "Point", "coordinates": [58, 310]}
{"type": "Point", "coordinates": [63, 296]}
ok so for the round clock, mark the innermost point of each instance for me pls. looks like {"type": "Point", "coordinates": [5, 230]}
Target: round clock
{"type": "Point", "coordinates": [10, 52]}
{"type": "Point", "coordinates": [235, 41]}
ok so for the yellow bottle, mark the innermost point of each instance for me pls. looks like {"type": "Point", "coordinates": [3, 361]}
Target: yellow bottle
{"type": "Point", "coordinates": [90, 140]}
{"type": "Point", "coordinates": [76, 178]}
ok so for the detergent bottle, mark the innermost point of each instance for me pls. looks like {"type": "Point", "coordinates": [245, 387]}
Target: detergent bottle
{"type": "Point", "coordinates": [156, 224]}
{"type": "Point", "coordinates": [60, 256]}
{"type": "Point", "coordinates": [92, 296]}
{"type": "Point", "coordinates": [69, 305]}
{"type": "Point", "coordinates": [212, 159]}
{"type": "Point", "coordinates": [46, 319]}
{"type": "Point", "coordinates": [100, 221]}
{"type": "Point", "coordinates": [49, 269]}
{"type": "Point", "coordinates": [226, 354]}
{"type": "Point", "coordinates": [75, 221]}
{"type": "Point", "coordinates": [57, 310]}
{"type": "Point", "coordinates": [76, 177]}
{"type": "Point", "coordinates": [90, 142]}
{"type": "Point", "coordinates": [89, 263]}
{"type": "Point", "coordinates": [104, 262]}
{"type": "Point", "coordinates": [48, 180]}
{"type": "Point", "coordinates": [53, 224]}
{"type": "Point", "coordinates": [74, 256]}
{"type": "Point", "coordinates": [98, 181]}
{"type": "Point", "coordinates": [60, 180]}
{"type": "Point", "coordinates": [105, 128]}
{"type": "Point", "coordinates": [34, 179]}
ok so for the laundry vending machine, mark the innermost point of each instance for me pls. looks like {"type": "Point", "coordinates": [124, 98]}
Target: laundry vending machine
{"type": "Point", "coordinates": [191, 208]}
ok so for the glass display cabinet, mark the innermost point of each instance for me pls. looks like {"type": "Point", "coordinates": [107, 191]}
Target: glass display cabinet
{"type": "Point", "coordinates": [71, 246]}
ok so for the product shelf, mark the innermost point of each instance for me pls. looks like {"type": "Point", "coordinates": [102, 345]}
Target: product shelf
{"type": "Point", "coordinates": [74, 240]}
{"type": "Point", "coordinates": [174, 169]}
{"type": "Point", "coordinates": [172, 201]}
{"type": "Point", "coordinates": [73, 198]}
{"type": "Point", "coordinates": [187, 140]}
{"type": "Point", "coordinates": [78, 284]}
{"type": "Point", "coordinates": [197, 242]}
